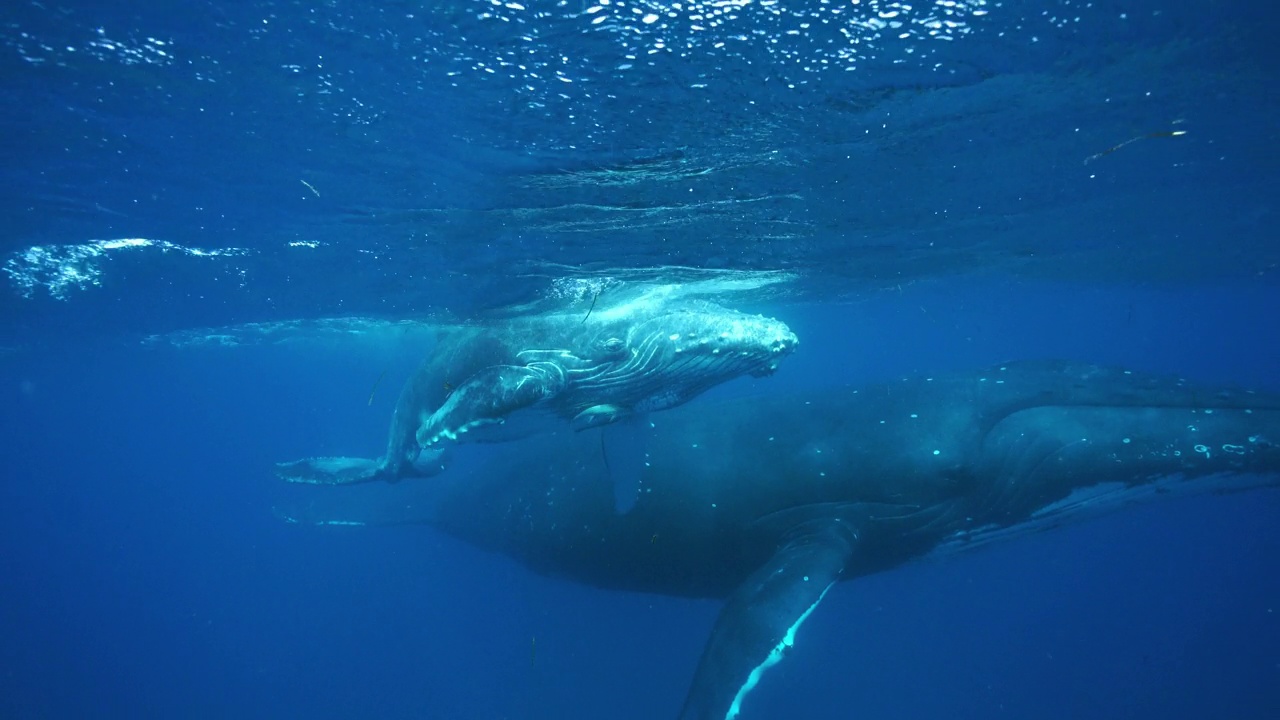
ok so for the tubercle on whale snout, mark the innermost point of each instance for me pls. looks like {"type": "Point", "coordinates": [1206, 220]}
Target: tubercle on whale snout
{"type": "Point", "coordinates": [748, 336]}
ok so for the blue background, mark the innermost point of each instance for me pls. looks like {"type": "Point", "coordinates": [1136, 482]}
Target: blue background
{"type": "Point", "coordinates": [147, 577]}
{"type": "Point", "coordinates": [298, 167]}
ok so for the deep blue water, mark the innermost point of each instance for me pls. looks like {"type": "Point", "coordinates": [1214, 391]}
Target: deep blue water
{"type": "Point", "coordinates": [290, 171]}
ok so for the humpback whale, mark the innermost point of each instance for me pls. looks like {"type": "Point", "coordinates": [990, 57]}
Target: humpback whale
{"type": "Point", "coordinates": [767, 502]}
{"type": "Point", "coordinates": [636, 354]}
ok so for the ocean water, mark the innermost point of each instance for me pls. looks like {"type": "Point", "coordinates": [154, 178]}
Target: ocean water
{"type": "Point", "coordinates": [230, 228]}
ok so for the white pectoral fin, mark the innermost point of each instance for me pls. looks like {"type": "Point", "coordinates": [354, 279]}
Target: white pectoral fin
{"type": "Point", "coordinates": [486, 400]}
{"type": "Point", "coordinates": [625, 450]}
{"type": "Point", "coordinates": [759, 622]}
{"type": "Point", "coordinates": [598, 416]}
{"type": "Point", "coordinates": [331, 470]}
{"type": "Point", "coordinates": [358, 505]}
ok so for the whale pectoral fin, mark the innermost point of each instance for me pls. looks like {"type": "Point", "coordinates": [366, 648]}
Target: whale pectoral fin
{"type": "Point", "coordinates": [758, 624]}
{"type": "Point", "coordinates": [624, 448]}
{"type": "Point", "coordinates": [331, 470]}
{"type": "Point", "coordinates": [358, 505]}
{"type": "Point", "coordinates": [486, 400]}
{"type": "Point", "coordinates": [598, 416]}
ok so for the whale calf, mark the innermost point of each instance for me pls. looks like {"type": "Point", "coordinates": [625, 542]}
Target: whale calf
{"type": "Point", "coordinates": [635, 354]}
{"type": "Point", "coordinates": [767, 502]}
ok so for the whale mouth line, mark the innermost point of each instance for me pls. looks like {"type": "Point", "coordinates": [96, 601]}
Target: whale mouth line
{"type": "Point", "coordinates": [1100, 500]}
{"type": "Point", "coordinates": [660, 356]}
{"type": "Point", "coordinates": [639, 382]}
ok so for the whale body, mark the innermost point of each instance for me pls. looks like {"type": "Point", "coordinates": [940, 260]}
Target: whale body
{"type": "Point", "coordinates": [767, 502]}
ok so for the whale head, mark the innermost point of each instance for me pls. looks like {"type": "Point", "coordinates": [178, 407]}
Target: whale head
{"type": "Point", "coordinates": [672, 356]}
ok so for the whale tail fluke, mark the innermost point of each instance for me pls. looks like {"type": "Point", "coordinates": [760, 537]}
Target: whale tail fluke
{"type": "Point", "coordinates": [331, 470]}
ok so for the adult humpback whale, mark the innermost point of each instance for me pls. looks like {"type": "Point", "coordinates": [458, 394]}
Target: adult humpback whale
{"type": "Point", "coordinates": [768, 502]}
{"type": "Point", "coordinates": [638, 353]}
